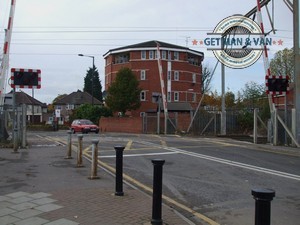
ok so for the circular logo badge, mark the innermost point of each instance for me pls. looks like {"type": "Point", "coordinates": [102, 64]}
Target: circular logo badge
{"type": "Point", "coordinates": [236, 51]}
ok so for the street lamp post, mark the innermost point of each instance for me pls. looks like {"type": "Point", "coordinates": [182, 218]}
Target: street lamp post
{"type": "Point", "coordinates": [93, 57]}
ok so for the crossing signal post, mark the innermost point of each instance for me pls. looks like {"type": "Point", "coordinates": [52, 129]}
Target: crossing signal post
{"type": "Point", "coordinates": [25, 78]}
{"type": "Point", "coordinates": [277, 84]}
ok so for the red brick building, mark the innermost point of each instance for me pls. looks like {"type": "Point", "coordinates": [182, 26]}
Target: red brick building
{"type": "Point", "coordinates": [182, 71]}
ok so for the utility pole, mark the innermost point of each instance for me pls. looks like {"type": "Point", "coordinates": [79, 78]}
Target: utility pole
{"type": "Point", "coordinates": [296, 4]}
{"type": "Point", "coordinates": [223, 114]}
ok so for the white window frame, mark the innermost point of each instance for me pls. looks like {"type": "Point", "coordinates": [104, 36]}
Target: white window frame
{"type": "Point", "coordinates": [143, 96]}
{"type": "Point", "coordinates": [176, 55]}
{"type": "Point", "coordinates": [143, 54]}
{"type": "Point", "coordinates": [169, 75]}
{"type": "Point", "coordinates": [194, 78]}
{"type": "Point", "coordinates": [194, 97]}
{"type": "Point", "coordinates": [151, 54]}
{"type": "Point", "coordinates": [176, 75]}
{"type": "Point", "coordinates": [143, 75]}
{"type": "Point", "coordinates": [176, 96]}
{"type": "Point", "coordinates": [169, 97]}
{"type": "Point", "coordinates": [163, 54]}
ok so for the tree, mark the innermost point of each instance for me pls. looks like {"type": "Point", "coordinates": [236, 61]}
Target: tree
{"type": "Point", "coordinates": [92, 83]}
{"type": "Point", "coordinates": [124, 92]}
{"type": "Point", "coordinates": [91, 112]}
{"type": "Point", "coordinates": [253, 93]}
{"type": "Point", "coordinates": [206, 78]}
{"type": "Point", "coordinates": [229, 99]}
{"type": "Point", "coordinates": [59, 97]}
{"type": "Point", "coordinates": [283, 63]}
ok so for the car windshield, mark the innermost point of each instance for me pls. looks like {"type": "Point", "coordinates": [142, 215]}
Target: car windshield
{"type": "Point", "coordinates": [86, 122]}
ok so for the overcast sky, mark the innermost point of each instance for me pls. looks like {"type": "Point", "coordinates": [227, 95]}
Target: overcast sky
{"type": "Point", "coordinates": [49, 35]}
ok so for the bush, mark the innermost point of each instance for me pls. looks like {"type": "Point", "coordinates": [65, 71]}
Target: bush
{"type": "Point", "coordinates": [90, 112]}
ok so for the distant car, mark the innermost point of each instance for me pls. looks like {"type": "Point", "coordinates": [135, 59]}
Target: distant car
{"type": "Point", "coordinates": [85, 126]}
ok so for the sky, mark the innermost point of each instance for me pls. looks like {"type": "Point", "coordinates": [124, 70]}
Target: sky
{"type": "Point", "coordinates": [49, 35]}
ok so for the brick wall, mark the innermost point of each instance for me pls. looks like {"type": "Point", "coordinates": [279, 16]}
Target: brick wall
{"type": "Point", "coordinates": [135, 124]}
{"type": "Point", "coordinates": [121, 124]}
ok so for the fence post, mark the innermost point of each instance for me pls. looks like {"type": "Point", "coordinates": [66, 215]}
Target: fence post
{"type": "Point", "coordinates": [69, 146]}
{"type": "Point", "coordinates": [119, 170]}
{"type": "Point", "coordinates": [275, 128]}
{"type": "Point", "coordinates": [263, 198]}
{"type": "Point", "coordinates": [157, 191]}
{"type": "Point", "coordinates": [94, 165]}
{"type": "Point", "coordinates": [255, 126]}
{"type": "Point", "coordinates": [79, 150]}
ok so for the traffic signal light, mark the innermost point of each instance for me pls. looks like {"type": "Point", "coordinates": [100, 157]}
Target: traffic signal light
{"type": "Point", "coordinates": [278, 84]}
{"type": "Point", "coordinates": [25, 78]}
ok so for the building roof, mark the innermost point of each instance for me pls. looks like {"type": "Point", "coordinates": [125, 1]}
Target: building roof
{"type": "Point", "coordinates": [77, 98]}
{"type": "Point", "coordinates": [23, 98]}
{"type": "Point", "coordinates": [152, 45]}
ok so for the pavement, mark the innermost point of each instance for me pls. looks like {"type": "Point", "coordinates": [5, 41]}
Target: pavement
{"type": "Point", "coordinates": [39, 186]}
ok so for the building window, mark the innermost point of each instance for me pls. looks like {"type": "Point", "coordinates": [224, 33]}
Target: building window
{"type": "Point", "coordinates": [169, 97]}
{"type": "Point", "coordinates": [176, 55]}
{"type": "Point", "coordinates": [151, 54]}
{"type": "Point", "coordinates": [169, 75]}
{"type": "Point", "coordinates": [164, 54]}
{"type": "Point", "coordinates": [194, 97]}
{"type": "Point", "coordinates": [70, 107]}
{"type": "Point", "coordinates": [143, 74]}
{"type": "Point", "coordinates": [176, 96]}
{"type": "Point", "coordinates": [194, 78]}
{"type": "Point", "coordinates": [143, 54]}
{"type": "Point", "coordinates": [143, 96]}
{"type": "Point", "coordinates": [122, 58]}
{"type": "Point", "coordinates": [176, 75]}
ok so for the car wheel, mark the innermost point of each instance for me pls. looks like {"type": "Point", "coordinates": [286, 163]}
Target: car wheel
{"type": "Point", "coordinates": [73, 131]}
{"type": "Point", "coordinates": [96, 132]}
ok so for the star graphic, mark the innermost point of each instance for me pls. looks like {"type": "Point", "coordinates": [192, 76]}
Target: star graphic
{"type": "Point", "coordinates": [274, 42]}
{"type": "Point", "coordinates": [280, 42]}
{"type": "Point", "coordinates": [201, 42]}
{"type": "Point", "coordinates": [195, 42]}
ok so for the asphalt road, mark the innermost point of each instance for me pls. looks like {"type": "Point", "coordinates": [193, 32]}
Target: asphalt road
{"type": "Point", "coordinates": [209, 179]}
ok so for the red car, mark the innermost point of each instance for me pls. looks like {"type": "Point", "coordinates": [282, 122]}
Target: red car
{"type": "Point", "coordinates": [84, 126]}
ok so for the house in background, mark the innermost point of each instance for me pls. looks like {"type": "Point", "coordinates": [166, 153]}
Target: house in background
{"type": "Point", "coordinates": [67, 104]}
{"type": "Point", "coordinates": [36, 110]}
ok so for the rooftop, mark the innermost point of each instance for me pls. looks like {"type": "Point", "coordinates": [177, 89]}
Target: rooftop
{"type": "Point", "coordinates": [152, 45]}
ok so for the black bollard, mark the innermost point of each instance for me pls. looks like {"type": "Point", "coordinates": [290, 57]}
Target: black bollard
{"type": "Point", "coordinates": [263, 198]}
{"type": "Point", "coordinates": [157, 191]}
{"type": "Point", "coordinates": [119, 170]}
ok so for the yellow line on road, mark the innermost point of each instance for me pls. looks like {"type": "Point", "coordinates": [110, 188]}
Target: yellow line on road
{"type": "Point", "coordinates": [148, 189]}
{"type": "Point", "coordinates": [128, 145]}
{"type": "Point", "coordinates": [86, 150]}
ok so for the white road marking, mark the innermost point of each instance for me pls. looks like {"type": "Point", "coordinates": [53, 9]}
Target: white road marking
{"type": "Point", "coordinates": [142, 154]}
{"type": "Point", "coordinates": [227, 162]}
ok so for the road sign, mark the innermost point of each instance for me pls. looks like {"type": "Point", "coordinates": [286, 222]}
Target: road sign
{"type": "Point", "coordinates": [277, 84]}
{"type": "Point", "coordinates": [25, 78]}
